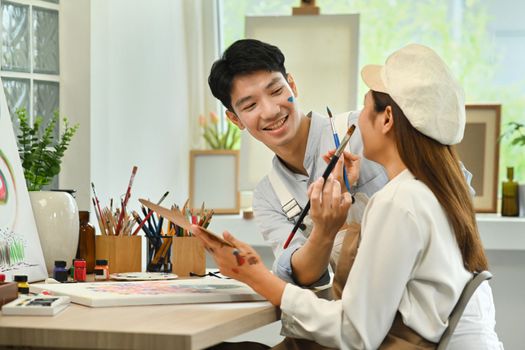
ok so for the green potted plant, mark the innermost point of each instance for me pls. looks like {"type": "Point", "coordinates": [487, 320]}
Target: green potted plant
{"type": "Point", "coordinates": [221, 158]}
{"type": "Point", "coordinates": [56, 213]}
{"type": "Point", "coordinates": [40, 154]}
{"type": "Point", "coordinates": [215, 137]}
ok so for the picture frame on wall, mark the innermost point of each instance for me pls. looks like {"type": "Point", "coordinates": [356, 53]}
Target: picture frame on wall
{"type": "Point", "coordinates": [214, 180]}
{"type": "Point", "coordinates": [479, 152]}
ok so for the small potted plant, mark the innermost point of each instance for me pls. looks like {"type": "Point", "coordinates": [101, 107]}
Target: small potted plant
{"type": "Point", "coordinates": [56, 213]}
{"type": "Point", "coordinates": [216, 138]}
{"type": "Point", "coordinates": [40, 154]}
{"type": "Point", "coordinates": [220, 158]}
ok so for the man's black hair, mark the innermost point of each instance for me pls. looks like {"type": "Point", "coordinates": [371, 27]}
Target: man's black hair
{"type": "Point", "coordinates": [243, 57]}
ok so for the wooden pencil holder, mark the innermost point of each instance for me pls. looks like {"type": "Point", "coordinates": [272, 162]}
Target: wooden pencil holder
{"type": "Point", "coordinates": [187, 256]}
{"type": "Point", "coordinates": [124, 253]}
{"type": "Point", "coordinates": [8, 292]}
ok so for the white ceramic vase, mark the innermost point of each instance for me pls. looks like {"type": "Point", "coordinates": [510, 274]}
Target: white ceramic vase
{"type": "Point", "coordinates": [57, 222]}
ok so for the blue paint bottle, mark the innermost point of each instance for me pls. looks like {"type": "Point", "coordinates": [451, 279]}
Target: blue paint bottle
{"type": "Point", "coordinates": [60, 272]}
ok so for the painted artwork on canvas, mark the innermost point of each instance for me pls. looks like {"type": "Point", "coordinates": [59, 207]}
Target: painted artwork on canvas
{"type": "Point", "coordinates": [20, 250]}
{"type": "Point", "coordinates": [187, 291]}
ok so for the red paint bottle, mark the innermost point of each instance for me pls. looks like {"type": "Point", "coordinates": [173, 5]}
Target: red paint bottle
{"type": "Point", "coordinates": [80, 270]}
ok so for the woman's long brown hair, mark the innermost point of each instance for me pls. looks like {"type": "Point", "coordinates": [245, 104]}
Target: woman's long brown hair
{"type": "Point", "coordinates": [437, 166]}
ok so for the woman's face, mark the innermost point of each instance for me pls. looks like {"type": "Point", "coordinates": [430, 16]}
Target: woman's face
{"type": "Point", "coordinates": [370, 127]}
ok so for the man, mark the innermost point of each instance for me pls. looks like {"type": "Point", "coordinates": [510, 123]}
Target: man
{"type": "Point", "coordinates": [252, 83]}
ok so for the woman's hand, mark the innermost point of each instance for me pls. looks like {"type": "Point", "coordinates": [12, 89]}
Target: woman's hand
{"type": "Point", "coordinates": [239, 263]}
{"type": "Point", "coordinates": [351, 163]}
{"type": "Point", "coordinates": [329, 206]}
{"type": "Point", "coordinates": [243, 264]}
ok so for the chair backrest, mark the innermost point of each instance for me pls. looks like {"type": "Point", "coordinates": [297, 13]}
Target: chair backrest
{"type": "Point", "coordinates": [457, 312]}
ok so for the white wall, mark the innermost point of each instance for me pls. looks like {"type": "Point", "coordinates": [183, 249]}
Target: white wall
{"type": "Point", "coordinates": [75, 95]}
{"type": "Point", "coordinates": [138, 99]}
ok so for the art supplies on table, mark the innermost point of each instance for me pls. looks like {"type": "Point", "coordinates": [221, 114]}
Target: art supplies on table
{"type": "Point", "coordinates": [123, 253]}
{"type": "Point", "coordinates": [118, 222]}
{"type": "Point", "coordinates": [187, 291]}
{"type": "Point", "coordinates": [8, 291]}
{"type": "Point", "coordinates": [20, 248]}
{"type": "Point", "coordinates": [143, 276]}
{"type": "Point", "coordinates": [101, 270]}
{"type": "Point", "coordinates": [147, 217]}
{"type": "Point", "coordinates": [180, 220]}
{"type": "Point", "coordinates": [39, 305]}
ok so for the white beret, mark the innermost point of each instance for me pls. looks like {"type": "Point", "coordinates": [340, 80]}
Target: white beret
{"type": "Point", "coordinates": [421, 84]}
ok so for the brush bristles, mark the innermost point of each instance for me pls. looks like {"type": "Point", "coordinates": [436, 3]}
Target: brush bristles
{"type": "Point", "coordinates": [342, 146]}
{"type": "Point", "coordinates": [350, 130]}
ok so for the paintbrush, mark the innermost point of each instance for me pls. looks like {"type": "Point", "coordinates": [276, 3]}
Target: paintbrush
{"type": "Point", "coordinates": [177, 218]}
{"type": "Point", "coordinates": [97, 206]}
{"type": "Point", "coordinates": [336, 141]}
{"type": "Point", "coordinates": [326, 173]}
{"type": "Point", "coordinates": [126, 198]}
{"type": "Point", "coordinates": [146, 218]}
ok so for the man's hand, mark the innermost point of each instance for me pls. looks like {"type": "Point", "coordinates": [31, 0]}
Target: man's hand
{"type": "Point", "coordinates": [352, 164]}
{"type": "Point", "coordinates": [329, 206]}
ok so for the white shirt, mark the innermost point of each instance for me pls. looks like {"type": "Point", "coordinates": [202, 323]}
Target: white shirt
{"type": "Point", "coordinates": [408, 261]}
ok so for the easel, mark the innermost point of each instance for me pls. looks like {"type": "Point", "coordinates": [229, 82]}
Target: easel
{"type": "Point", "coordinates": [307, 8]}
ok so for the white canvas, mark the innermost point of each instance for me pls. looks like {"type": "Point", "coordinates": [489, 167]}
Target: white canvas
{"type": "Point", "coordinates": [20, 250]}
{"type": "Point", "coordinates": [321, 53]}
{"type": "Point", "coordinates": [187, 291]}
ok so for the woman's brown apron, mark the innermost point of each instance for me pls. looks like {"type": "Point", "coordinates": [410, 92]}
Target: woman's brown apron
{"type": "Point", "coordinates": [399, 336]}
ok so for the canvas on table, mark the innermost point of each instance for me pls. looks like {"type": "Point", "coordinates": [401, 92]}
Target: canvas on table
{"type": "Point", "coordinates": [20, 250]}
{"type": "Point", "coordinates": [187, 291]}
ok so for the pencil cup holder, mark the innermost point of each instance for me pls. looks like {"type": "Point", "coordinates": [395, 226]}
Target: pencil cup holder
{"type": "Point", "coordinates": [188, 256]}
{"type": "Point", "coordinates": [8, 292]}
{"type": "Point", "coordinates": [124, 253]}
{"type": "Point", "coordinates": [159, 254]}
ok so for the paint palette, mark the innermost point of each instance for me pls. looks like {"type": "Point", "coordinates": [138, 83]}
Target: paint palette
{"type": "Point", "coordinates": [40, 305]}
{"type": "Point", "coordinates": [143, 276]}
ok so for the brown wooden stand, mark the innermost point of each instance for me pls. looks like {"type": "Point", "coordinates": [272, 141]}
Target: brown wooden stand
{"type": "Point", "coordinates": [307, 8]}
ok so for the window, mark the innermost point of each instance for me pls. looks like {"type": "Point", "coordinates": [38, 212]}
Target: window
{"type": "Point", "coordinates": [467, 34]}
{"type": "Point", "coordinates": [29, 60]}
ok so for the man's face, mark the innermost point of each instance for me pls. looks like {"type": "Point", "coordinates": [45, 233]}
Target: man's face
{"type": "Point", "coordinates": [263, 103]}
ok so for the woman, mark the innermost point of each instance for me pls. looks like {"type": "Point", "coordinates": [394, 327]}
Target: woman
{"type": "Point", "coordinates": [419, 242]}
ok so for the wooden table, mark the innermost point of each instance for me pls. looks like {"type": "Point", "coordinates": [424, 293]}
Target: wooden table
{"type": "Point", "coordinates": [163, 327]}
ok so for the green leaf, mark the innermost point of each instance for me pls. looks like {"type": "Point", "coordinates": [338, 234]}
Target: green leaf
{"type": "Point", "coordinates": [40, 160]}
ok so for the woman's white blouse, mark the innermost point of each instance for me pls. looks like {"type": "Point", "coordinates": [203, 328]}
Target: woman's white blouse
{"type": "Point", "coordinates": [408, 261]}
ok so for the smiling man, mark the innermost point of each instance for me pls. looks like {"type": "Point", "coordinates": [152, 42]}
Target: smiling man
{"type": "Point", "coordinates": [251, 81]}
